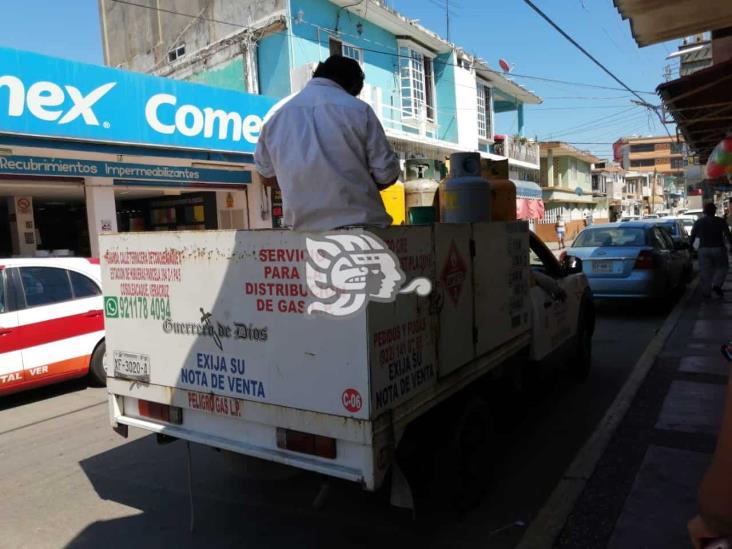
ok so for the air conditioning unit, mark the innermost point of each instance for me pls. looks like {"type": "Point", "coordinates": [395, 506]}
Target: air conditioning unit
{"type": "Point", "coordinates": [300, 76]}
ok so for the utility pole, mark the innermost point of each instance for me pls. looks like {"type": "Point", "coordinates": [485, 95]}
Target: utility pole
{"type": "Point", "coordinates": [447, 18]}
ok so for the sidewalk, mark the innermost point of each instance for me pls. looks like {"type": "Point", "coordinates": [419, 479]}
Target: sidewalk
{"type": "Point", "coordinates": [643, 490]}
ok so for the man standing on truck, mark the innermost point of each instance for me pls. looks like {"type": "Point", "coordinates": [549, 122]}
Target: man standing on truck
{"type": "Point", "coordinates": [327, 152]}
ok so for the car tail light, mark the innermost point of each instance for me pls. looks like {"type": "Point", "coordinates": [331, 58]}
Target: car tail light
{"type": "Point", "coordinates": [161, 412]}
{"type": "Point", "coordinates": [562, 256]}
{"type": "Point", "coordinates": [306, 443]}
{"type": "Point", "coordinates": [644, 260]}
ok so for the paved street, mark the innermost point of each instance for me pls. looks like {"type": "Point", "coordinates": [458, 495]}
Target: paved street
{"type": "Point", "coordinates": [68, 480]}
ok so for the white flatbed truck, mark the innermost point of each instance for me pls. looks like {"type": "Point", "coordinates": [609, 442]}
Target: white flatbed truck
{"type": "Point", "coordinates": [209, 340]}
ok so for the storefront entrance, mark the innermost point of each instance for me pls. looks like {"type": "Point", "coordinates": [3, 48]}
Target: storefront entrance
{"type": "Point", "coordinates": [156, 210]}
{"type": "Point", "coordinates": [61, 227]}
{"type": "Point", "coordinates": [40, 217]}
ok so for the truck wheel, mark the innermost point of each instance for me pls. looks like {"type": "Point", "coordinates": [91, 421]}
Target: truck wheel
{"type": "Point", "coordinates": [472, 455]}
{"type": "Point", "coordinates": [97, 373]}
{"type": "Point", "coordinates": [580, 362]}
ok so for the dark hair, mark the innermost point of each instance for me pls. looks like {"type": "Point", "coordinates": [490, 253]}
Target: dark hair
{"type": "Point", "coordinates": [710, 208]}
{"type": "Point", "coordinates": [344, 71]}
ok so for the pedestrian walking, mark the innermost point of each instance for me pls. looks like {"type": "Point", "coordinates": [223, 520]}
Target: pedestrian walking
{"type": "Point", "coordinates": [560, 227]}
{"type": "Point", "coordinates": [713, 261]}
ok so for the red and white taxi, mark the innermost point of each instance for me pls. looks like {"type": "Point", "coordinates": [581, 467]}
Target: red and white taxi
{"type": "Point", "coordinates": [51, 322]}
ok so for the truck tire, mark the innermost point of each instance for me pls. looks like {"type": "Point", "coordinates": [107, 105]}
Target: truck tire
{"type": "Point", "coordinates": [471, 456]}
{"type": "Point", "coordinates": [97, 373]}
{"type": "Point", "coordinates": [580, 361]}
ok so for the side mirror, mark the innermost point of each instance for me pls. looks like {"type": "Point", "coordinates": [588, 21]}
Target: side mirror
{"type": "Point", "coordinates": [571, 265]}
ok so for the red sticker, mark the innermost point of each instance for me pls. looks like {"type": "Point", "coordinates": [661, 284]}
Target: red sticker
{"type": "Point", "coordinates": [453, 273]}
{"type": "Point", "coordinates": [352, 400]}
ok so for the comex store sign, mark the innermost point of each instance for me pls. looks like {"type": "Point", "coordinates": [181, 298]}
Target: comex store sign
{"type": "Point", "coordinates": [46, 96]}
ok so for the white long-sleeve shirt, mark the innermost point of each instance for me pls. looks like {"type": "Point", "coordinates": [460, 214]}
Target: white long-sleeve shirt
{"type": "Point", "coordinates": [327, 150]}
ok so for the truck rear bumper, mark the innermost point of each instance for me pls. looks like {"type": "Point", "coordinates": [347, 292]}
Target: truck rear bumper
{"type": "Point", "coordinates": [242, 447]}
{"type": "Point", "coordinates": [253, 431]}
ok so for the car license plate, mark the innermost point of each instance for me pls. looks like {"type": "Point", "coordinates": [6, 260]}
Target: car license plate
{"type": "Point", "coordinates": [131, 366]}
{"type": "Point", "coordinates": [602, 266]}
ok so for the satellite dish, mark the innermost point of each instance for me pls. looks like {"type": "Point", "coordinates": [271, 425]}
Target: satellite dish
{"type": "Point", "coordinates": [504, 65]}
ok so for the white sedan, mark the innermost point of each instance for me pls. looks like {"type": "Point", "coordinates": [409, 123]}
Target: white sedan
{"type": "Point", "coordinates": [51, 322]}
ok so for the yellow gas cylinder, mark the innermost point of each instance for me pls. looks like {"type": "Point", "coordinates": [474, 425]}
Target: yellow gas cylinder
{"type": "Point", "coordinates": [503, 191]}
{"type": "Point", "coordinates": [393, 199]}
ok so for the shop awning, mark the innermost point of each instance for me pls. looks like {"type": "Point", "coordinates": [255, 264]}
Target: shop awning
{"type": "Point", "coordinates": [657, 21]}
{"type": "Point", "coordinates": [529, 202]}
{"type": "Point", "coordinates": [701, 107]}
{"type": "Point", "coordinates": [527, 189]}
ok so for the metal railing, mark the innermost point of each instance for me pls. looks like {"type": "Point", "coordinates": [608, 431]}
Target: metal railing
{"type": "Point", "coordinates": [517, 149]}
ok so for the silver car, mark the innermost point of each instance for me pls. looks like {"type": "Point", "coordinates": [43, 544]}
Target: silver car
{"type": "Point", "coordinates": [633, 259]}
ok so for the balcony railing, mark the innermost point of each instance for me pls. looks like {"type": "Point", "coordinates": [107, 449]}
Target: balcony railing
{"type": "Point", "coordinates": [517, 149]}
{"type": "Point", "coordinates": [395, 119]}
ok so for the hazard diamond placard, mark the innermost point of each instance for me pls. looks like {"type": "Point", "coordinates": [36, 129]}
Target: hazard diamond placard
{"type": "Point", "coordinates": [453, 273]}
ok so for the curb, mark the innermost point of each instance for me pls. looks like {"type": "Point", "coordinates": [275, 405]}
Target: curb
{"type": "Point", "coordinates": [551, 518]}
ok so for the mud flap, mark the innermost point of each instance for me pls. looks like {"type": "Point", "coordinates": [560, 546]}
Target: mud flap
{"type": "Point", "coordinates": [401, 492]}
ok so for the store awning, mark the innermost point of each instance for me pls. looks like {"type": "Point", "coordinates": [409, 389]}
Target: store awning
{"type": "Point", "coordinates": [659, 21]}
{"type": "Point", "coordinates": [700, 106]}
{"type": "Point", "coordinates": [529, 202]}
{"type": "Point", "coordinates": [527, 189]}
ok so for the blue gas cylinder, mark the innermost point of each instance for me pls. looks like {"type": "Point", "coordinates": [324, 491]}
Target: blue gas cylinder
{"type": "Point", "coordinates": [465, 197]}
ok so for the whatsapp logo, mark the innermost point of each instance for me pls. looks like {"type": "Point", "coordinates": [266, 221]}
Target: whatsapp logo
{"type": "Point", "coordinates": [111, 307]}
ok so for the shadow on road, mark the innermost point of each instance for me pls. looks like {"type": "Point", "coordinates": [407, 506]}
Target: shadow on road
{"type": "Point", "coordinates": [42, 393]}
{"type": "Point", "coordinates": [230, 510]}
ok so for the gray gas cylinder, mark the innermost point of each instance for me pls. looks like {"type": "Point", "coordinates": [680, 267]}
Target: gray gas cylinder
{"type": "Point", "coordinates": [465, 197]}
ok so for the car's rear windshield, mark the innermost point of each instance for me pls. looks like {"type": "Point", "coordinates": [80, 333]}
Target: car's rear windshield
{"type": "Point", "coordinates": [673, 228]}
{"type": "Point", "coordinates": [611, 236]}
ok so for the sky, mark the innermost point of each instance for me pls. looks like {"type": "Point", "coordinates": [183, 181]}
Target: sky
{"type": "Point", "coordinates": [591, 117]}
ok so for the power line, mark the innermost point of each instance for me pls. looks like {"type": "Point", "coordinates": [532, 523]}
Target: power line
{"type": "Point", "coordinates": [382, 52]}
{"type": "Point", "coordinates": [583, 50]}
{"type": "Point", "coordinates": [592, 122]}
{"type": "Point", "coordinates": [594, 60]}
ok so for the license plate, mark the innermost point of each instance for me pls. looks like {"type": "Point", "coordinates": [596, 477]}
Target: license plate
{"type": "Point", "coordinates": [131, 366]}
{"type": "Point", "coordinates": [602, 266]}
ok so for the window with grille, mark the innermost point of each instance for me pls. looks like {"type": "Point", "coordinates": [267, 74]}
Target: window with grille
{"type": "Point", "coordinates": [176, 53]}
{"type": "Point", "coordinates": [337, 47]}
{"type": "Point", "coordinates": [643, 147]}
{"type": "Point", "coordinates": [415, 72]}
{"type": "Point", "coordinates": [485, 122]}
{"type": "Point", "coordinates": [642, 163]}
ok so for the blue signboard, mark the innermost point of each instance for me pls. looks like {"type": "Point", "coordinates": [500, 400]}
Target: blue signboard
{"type": "Point", "coordinates": [51, 97]}
{"type": "Point", "coordinates": [68, 167]}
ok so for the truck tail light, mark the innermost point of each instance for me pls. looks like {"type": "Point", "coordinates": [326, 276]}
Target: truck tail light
{"type": "Point", "coordinates": [306, 443]}
{"type": "Point", "coordinates": [161, 412]}
{"type": "Point", "coordinates": [644, 260]}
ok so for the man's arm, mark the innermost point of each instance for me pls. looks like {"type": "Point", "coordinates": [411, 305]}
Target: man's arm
{"type": "Point", "coordinates": [728, 234]}
{"type": "Point", "coordinates": [263, 162]}
{"type": "Point", "coordinates": [382, 161]}
{"type": "Point", "coordinates": [694, 231]}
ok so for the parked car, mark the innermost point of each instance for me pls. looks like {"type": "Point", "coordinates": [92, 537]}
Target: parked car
{"type": "Point", "coordinates": [687, 223]}
{"type": "Point", "coordinates": [635, 259]}
{"type": "Point", "coordinates": [677, 230]}
{"type": "Point", "coordinates": [693, 214]}
{"type": "Point", "coordinates": [51, 322]}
